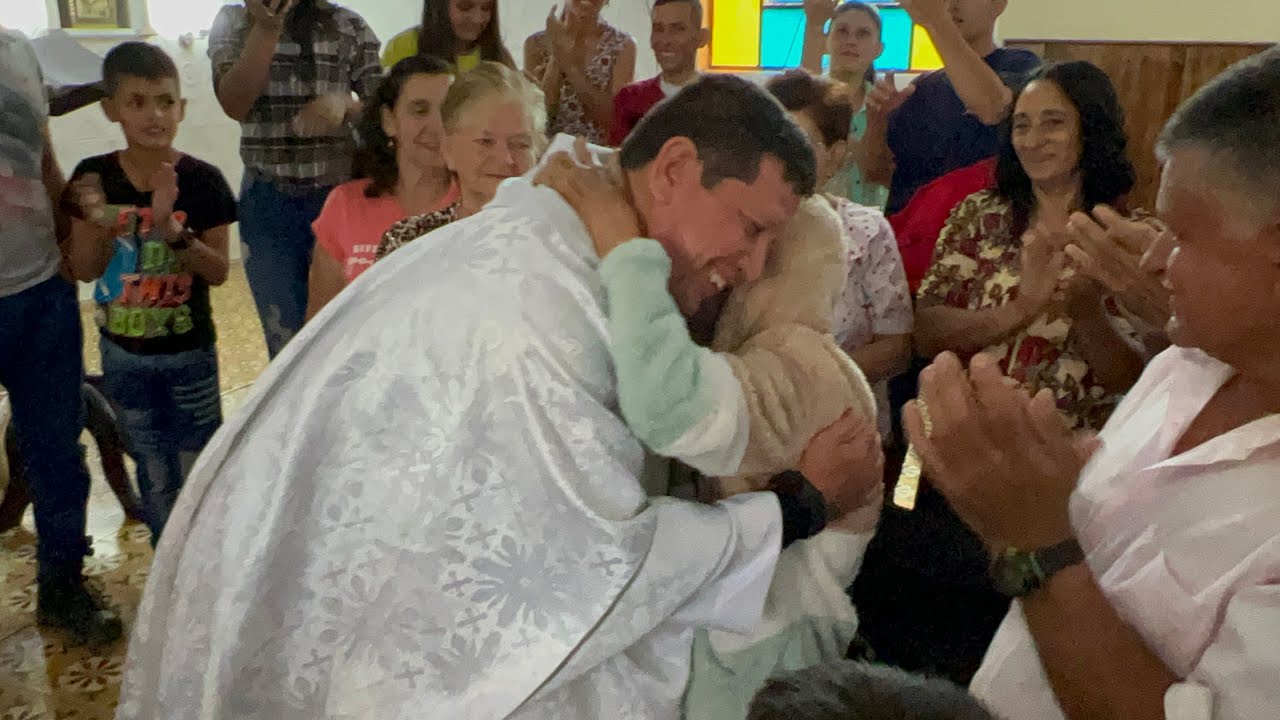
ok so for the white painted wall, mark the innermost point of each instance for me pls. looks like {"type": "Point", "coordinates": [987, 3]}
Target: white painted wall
{"type": "Point", "coordinates": [207, 133]}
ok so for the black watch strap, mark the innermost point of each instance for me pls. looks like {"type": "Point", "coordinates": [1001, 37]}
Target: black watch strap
{"type": "Point", "coordinates": [183, 240]}
{"type": "Point", "coordinates": [1019, 573]}
{"type": "Point", "coordinates": [1059, 557]}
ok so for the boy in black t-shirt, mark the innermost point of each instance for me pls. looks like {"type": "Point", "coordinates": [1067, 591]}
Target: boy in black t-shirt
{"type": "Point", "coordinates": [152, 231]}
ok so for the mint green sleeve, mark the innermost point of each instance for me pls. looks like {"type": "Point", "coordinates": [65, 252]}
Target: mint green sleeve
{"type": "Point", "coordinates": [680, 399]}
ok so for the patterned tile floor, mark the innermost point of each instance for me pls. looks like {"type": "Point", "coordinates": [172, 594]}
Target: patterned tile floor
{"type": "Point", "coordinates": [41, 678]}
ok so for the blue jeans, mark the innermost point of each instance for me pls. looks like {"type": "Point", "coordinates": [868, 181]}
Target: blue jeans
{"type": "Point", "coordinates": [42, 367]}
{"type": "Point", "coordinates": [275, 227]}
{"type": "Point", "coordinates": [168, 407]}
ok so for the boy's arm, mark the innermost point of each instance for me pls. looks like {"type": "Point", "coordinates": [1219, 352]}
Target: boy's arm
{"type": "Point", "coordinates": [92, 239]}
{"type": "Point", "coordinates": [680, 399]}
{"type": "Point", "coordinates": [205, 254]}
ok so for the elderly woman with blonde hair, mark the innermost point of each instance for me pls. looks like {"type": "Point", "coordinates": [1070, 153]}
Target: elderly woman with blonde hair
{"type": "Point", "coordinates": [494, 129]}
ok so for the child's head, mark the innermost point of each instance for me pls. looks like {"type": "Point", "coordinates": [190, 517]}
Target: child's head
{"type": "Point", "coordinates": [143, 94]}
{"type": "Point", "coordinates": [850, 690]}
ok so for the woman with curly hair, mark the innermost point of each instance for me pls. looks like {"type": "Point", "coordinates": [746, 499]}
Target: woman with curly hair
{"type": "Point", "coordinates": [401, 173]}
{"type": "Point", "coordinates": [1000, 283]}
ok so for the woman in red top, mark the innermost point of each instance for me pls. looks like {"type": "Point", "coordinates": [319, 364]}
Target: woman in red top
{"type": "Point", "coordinates": [401, 173]}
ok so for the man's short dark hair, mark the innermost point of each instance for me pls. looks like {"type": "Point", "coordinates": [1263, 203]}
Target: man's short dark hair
{"type": "Point", "coordinates": [734, 124]}
{"type": "Point", "coordinates": [1236, 116]}
{"type": "Point", "coordinates": [697, 7]}
{"type": "Point", "coordinates": [136, 59]}
{"type": "Point", "coordinates": [849, 690]}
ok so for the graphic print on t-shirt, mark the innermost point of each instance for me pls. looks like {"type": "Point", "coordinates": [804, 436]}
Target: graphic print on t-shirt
{"type": "Point", "coordinates": [145, 291]}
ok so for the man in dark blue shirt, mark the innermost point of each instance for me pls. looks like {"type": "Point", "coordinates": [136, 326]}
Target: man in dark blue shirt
{"type": "Point", "coordinates": [946, 119]}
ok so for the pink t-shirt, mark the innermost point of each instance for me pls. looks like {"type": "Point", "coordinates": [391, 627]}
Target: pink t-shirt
{"type": "Point", "coordinates": [351, 225]}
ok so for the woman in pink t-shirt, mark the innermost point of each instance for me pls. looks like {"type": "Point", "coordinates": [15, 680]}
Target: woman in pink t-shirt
{"type": "Point", "coordinates": [402, 173]}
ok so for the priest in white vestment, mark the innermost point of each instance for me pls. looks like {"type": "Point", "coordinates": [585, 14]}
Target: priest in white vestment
{"type": "Point", "coordinates": [429, 507]}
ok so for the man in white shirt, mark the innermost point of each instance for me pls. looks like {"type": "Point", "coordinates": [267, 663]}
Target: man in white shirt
{"type": "Point", "coordinates": [1147, 562]}
{"type": "Point", "coordinates": [430, 508]}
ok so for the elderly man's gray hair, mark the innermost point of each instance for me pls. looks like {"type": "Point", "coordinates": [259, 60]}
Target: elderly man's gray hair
{"type": "Point", "coordinates": [1236, 117]}
{"type": "Point", "coordinates": [850, 690]}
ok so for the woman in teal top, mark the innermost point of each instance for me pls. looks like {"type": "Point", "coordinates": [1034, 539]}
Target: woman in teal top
{"type": "Point", "coordinates": [853, 44]}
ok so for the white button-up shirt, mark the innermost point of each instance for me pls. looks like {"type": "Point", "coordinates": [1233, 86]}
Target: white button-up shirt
{"type": "Point", "coordinates": [1186, 548]}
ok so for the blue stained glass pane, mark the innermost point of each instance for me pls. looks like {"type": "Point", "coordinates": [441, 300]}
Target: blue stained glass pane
{"type": "Point", "coordinates": [781, 37]}
{"type": "Point", "coordinates": [897, 40]}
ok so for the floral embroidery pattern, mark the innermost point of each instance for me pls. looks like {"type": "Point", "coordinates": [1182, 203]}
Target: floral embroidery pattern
{"type": "Point", "coordinates": [978, 265]}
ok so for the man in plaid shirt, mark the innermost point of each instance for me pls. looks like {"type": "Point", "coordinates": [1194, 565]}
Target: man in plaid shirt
{"type": "Point", "coordinates": [290, 72]}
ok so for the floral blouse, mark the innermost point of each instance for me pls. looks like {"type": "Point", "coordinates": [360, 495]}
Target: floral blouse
{"type": "Point", "coordinates": [875, 300]}
{"type": "Point", "coordinates": [570, 116]}
{"type": "Point", "coordinates": [977, 265]}
{"type": "Point", "coordinates": [410, 229]}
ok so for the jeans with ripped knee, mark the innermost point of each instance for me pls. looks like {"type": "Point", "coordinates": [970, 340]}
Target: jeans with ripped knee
{"type": "Point", "coordinates": [277, 244]}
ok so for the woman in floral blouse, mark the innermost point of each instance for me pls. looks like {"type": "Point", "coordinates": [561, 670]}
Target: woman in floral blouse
{"type": "Point", "coordinates": [581, 62]}
{"type": "Point", "coordinates": [1000, 280]}
{"type": "Point", "coordinates": [873, 317]}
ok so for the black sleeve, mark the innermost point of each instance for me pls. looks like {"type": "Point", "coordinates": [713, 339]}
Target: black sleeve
{"type": "Point", "coordinates": [216, 204]}
{"type": "Point", "coordinates": [804, 510]}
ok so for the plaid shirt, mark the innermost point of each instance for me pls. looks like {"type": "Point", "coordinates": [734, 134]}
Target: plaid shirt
{"type": "Point", "coordinates": [346, 59]}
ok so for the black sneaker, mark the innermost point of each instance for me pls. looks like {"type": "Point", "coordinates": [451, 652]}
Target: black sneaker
{"type": "Point", "coordinates": [70, 606]}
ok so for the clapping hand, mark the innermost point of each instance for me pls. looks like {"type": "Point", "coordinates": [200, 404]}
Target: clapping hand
{"type": "Point", "coordinates": [596, 193]}
{"type": "Point", "coordinates": [324, 115]}
{"type": "Point", "coordinates": [1006, 462]}
{"type": "Point", "coordinates": [1042, 264]}
{"type": "Point", "coordinates": [1127, 257]}
{"type": "Point", "coordinates": [564, 46]}
{"type": "Point", "coordinates": [164, 195]}
{"type": "Point", "coordinates": [885, 97]}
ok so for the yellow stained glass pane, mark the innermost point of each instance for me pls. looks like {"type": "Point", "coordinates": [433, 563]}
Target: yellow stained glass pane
{"type": "Point", "coordinates": [924, 56]}
{"type": "Point", "coordinates": [735, 33]}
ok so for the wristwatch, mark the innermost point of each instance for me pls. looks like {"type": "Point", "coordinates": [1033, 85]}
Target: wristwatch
{"type": "Point", "coordinates": [183, 240]}
{"type": "Point", "coordinates": [1018, 573]}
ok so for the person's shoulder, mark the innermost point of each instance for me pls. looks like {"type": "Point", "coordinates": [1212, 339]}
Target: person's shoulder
{"type": "Point", "coordinates": [230, 18]}
{"type": "Point", "coordinates": [405, 40]}
{"type": "Point", "coordinates": [346, 15]}
{"type": "Point", "coordinates": [193, 165]}
{"type": "Point", "coordinates": [621, 37]}
{"type": "Point", "coordinates": [1017, 59]}
{"type": "Point", "coordinates": [14, 43]}
{"type": "Point", "coordinates": [863, 218]}
{"type": "Point", "coordinates": [639, 87]}
{"type": "Point", "coordinates": [350, 191]}
{"type": "Point", "coordinates": [988, 200]}
{"type": "Point", "coordinates": [97, 164]}
{"type": "Point", "coordinates": [13, 38]}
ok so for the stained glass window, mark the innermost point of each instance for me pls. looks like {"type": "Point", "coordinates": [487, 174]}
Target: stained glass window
{"type": "Point", "coordinates": [769, 35]}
